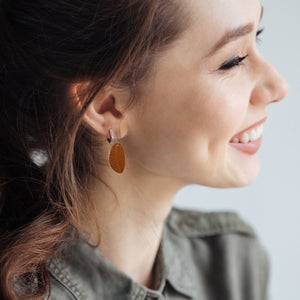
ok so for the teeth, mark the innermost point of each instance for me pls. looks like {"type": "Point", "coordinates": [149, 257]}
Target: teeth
{"type": "Point", "coordinates": [245, 138]}
{"type": "Point", "coordinates": [260, 130]}
{"type": "Point", "coordinates": [250, 136]}
{"type": "Point", "coordinates": [253, 135]}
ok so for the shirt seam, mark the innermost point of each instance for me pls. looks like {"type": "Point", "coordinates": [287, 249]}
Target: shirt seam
{"type": "Point", "coordinates": [77, 294]}
{"type": "Point", "coordinates": [64, 286]}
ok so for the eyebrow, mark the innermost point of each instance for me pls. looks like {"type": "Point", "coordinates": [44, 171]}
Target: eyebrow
{"type": "Point", "coordinates": [233, 35]}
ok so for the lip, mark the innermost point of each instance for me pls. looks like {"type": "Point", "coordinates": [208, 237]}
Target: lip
{"type": "Point", "coordinates": [240, 134]}
{"type": "Point", "coordinates": [249, 148]}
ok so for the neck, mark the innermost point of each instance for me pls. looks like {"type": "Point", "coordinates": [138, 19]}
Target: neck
{"type": "Point", "coordinates": [131, 225]}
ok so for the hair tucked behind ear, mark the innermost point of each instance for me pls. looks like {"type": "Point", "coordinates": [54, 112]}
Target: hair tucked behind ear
{"type": "Point", "coordinates": [47, 154]}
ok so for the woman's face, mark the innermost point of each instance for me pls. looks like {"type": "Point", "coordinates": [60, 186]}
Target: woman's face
{"type": "Point", "coordinates": [202, 95]}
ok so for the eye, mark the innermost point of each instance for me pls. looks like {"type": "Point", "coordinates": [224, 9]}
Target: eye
{"type": "Point", "coordinates": [236, 61]}
{"type": "Point", "coordinates": [233, 62]}
{"type": "Point", "coordinates": [258, 40]}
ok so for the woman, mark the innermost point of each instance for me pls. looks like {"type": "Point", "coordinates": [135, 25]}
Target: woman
{"type": "Point", "coordinates": [108, 109]}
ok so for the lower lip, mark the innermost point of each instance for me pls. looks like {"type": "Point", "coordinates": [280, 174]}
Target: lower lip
{"type": "Point", "coordinates": [249, 148]}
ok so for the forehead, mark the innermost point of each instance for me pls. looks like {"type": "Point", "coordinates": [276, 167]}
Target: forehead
{"type": "Point", "coordinates": [211, 18]}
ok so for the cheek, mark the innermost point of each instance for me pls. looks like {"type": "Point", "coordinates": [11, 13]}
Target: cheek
{"type": "Point", "coordinates": [215, 111]}
{"type": "Point", "coordinates": [190, 121]}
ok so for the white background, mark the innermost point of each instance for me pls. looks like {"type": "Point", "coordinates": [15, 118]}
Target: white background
{"type": "Point", "coordinates": [271, 204]}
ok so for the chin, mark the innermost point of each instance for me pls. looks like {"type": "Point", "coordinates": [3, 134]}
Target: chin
{"type": "Point", "coordinates": [241, 169]}
{"type": "Point", "coordinates": [246, 174]}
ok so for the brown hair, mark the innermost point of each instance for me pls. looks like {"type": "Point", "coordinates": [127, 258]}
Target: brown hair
{"type": "Point", "coordinates": [47, 153]}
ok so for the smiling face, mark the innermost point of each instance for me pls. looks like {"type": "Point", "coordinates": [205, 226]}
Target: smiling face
{"type": "Point", "coordinates": [209, 86]}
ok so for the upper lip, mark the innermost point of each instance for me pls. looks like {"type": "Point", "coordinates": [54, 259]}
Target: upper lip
{"type": "Point", "coordinates": [240, 134]}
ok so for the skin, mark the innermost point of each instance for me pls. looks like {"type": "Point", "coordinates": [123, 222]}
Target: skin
{"type": "Point", "coordinates": [179, 131]}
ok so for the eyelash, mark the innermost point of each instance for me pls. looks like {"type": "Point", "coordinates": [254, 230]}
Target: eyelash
{"type": "Point", "coordinates": [236, 61]}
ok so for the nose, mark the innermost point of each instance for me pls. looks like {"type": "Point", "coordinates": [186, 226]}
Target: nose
{"type": "Point", "coordinates": [270, 86]}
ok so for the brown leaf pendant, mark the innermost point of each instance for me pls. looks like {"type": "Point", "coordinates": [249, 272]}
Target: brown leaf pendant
{"type": "Point", "coordinates": [117, 158]}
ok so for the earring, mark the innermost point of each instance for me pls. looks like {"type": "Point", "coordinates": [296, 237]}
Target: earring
{"type": "Point", "coordinates": [116, 156]}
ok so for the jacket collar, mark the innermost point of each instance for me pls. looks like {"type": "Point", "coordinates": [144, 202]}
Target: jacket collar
{"type": "Point", "coordinates": [99, 276]}
{"type": "Point", "coordinates": [79, 258]}
{"type": "Point", "coordinates": [173, 260]}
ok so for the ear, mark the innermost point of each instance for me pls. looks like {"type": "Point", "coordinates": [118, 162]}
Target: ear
{"type": "Point", "coordinates": [105, 111]}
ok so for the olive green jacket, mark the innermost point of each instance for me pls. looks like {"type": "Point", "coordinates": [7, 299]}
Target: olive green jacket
{"type": "Point", "coordinates": [202, 256]}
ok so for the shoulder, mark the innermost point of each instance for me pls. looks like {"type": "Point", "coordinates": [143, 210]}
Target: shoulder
{"type": "Point", "coordinates": [193, 223]}
{"type": "Point", "coordinates": [221, 242]}
{"type": "Point", "coordinates": [224, 228]}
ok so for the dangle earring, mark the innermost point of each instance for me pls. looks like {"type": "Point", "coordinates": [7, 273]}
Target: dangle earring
{"type": "Point", "coordinates": [116, 157]}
